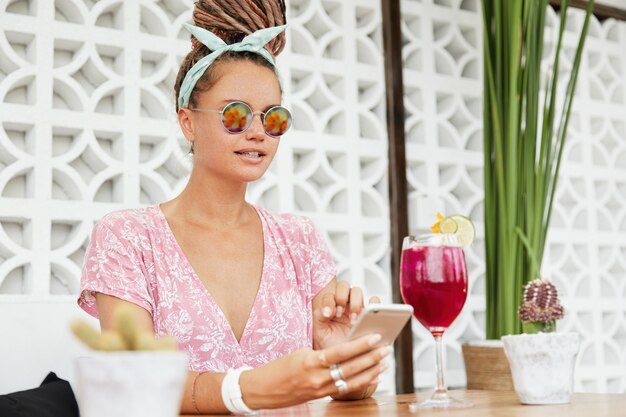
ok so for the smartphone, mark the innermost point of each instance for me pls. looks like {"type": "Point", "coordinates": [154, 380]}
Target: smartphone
{"type": "Point", "coordinates": [384, 319]}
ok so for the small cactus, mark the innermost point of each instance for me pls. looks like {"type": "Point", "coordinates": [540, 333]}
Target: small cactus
{"type": "Point", "coordinates": [110, 341]}
{"type": "Point", "coordinates": [127, 327]}
{"type": "Point", "coordinates": [541, 308]}
{"type": "Point", "coordinates": [126, 337]}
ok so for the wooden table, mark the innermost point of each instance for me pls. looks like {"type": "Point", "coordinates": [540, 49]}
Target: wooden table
{"type": "Point", "coordinates": [486, 404]}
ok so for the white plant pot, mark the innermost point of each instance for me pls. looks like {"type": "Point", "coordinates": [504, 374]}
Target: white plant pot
{"type": "Point", "coordinates": [542, 366]}
{"type": "Point", "coordinates": [137, 383]}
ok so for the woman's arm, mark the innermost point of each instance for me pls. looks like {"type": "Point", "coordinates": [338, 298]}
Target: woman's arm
{"type": "Point", "coordinates": [295, 378]}
{"type": "Point", "coordinates": [208, 385]}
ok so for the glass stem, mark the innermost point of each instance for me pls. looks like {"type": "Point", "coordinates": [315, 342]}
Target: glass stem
{"type": "Point", "coordinates": [441, 386]}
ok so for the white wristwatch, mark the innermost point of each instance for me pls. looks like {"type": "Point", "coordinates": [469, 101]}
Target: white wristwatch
{"type": "Point", "coordinates": [231, 392]}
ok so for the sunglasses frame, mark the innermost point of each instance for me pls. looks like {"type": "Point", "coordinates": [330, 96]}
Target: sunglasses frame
{"type": "Point", "coordinates": [253, 113]}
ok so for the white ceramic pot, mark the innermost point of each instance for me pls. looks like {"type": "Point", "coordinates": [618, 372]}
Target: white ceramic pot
{"type": "Point", "coordinates": [542, 366]}
{"type": "Point", "coordinates": [138, 384]}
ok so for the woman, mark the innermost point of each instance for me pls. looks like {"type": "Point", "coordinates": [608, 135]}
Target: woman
{"type": "Point", "coordinates": [250, 295]}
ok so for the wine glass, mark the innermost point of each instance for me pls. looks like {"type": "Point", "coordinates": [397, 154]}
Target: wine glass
{"type": "Point", "coordinates": [433, 279]}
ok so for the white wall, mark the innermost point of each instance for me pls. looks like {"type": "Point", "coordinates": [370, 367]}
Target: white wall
{"type": "Point", "coordinates": [87, 126]}
{"type": "Point", "coordinates": [36, 339]}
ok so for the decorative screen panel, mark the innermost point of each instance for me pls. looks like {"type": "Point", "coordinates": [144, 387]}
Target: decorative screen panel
{"type": "Point", "coordinates": [586, 252]}
{"type": "Point", "coordinates": [88, 126]}
{"type": "Point", "coordinates": [586, 255]}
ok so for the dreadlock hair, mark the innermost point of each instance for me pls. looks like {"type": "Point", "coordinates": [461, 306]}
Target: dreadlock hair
{"type": "Point", "coordinates": [231, 20]}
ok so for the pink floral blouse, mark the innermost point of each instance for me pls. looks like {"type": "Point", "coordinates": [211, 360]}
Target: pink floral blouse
{"type": "Point", "coordinates": [133, 255]}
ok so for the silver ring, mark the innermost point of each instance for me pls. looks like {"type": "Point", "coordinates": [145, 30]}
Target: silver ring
{"type": "Point", "coordinates": [342, 386]}
{"type": "Point", "coordinates": [337, 376]}
{"type": "Point", "coordinates": [335, 373]}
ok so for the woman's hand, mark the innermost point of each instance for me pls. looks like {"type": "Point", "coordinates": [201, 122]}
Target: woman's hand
{"type": "Point", "coordinates": [335, 309]}
{"type": "Point", "coordinates": [305, 375]}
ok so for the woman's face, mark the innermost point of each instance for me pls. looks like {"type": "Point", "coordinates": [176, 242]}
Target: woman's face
{"type": "Point", "coordinates": [232, 156]}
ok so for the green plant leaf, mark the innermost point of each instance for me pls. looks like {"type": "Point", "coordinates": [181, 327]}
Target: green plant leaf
{"type": "Point", "coordinates": [522, 148]}
{"type": "Point", "coordinates": [533, 327]}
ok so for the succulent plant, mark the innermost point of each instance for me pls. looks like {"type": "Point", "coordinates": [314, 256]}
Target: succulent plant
{"type": "Point", "coordinates": [541, 308]}
{"type": "Point", "coordinates": [126, 337]}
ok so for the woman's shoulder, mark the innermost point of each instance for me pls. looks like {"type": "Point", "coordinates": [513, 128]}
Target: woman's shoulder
{"type": "Point", "coordinates": [138, 220]}
{"type": "Point", "coordinates": [288, 223]}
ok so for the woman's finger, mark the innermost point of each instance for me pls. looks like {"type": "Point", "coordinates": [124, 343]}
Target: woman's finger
{"type": "Point", "coordinates": [327, 307]}
{"type": "Point", "coordinates": [359, 381]}
{"type": "Point", "coordinates": [348, 350]}
{"type": "Point", "coordinates": [374, 300]}
{"type": "Point", "coordinates": [359, 364]}
{"type": "Point", "coordinates": [356, 303]}
{"type": "Point", "coordinates": [342, 296]}
{"type": "Point", "coordinates": [366, 378]}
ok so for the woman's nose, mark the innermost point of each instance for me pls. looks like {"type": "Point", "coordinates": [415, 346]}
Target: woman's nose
{"type": "Point", "coordinates": [256, 129]}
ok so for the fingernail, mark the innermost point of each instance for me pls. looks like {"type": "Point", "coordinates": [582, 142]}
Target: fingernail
{"type": "Point", "coordinates": [385, 351]}
{"type": "Point", "coordinates": [375, 382]}
{"type": "Point", "coordinates": [373, 339]}
{"type": "Point", "coordinates": [327, 311]}
{"type": "Point", "coordinates": [352, 317]}
{"type": "Point", "coordinates": [339, 311]}
{"type": "Point", "coordinates": [383, 367]}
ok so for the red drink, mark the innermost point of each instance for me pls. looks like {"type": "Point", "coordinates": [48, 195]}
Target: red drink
{"type": "Point", "coordinates": [433, 279]}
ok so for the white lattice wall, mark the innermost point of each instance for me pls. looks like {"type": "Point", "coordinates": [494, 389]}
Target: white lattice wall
{"type": "Point", "coordinates": [87, 127]}
{"type": "Point", "coordinates": [587, 251]}
{"type": "Point", "coordinates": [586, 255]}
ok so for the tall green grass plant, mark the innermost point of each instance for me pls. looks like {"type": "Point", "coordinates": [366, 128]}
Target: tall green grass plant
{"type": "Point", "coordinates": [523, 147]}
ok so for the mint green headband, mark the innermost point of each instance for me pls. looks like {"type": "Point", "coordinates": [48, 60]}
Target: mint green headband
{"type": "Point", "coordinates": [254, 42]}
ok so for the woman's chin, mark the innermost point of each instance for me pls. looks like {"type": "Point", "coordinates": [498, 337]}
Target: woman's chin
{"type": "Point", "coordinates": [247, 176]}
{"type": "Point", "coordinates": [251, 173]}
{"type": "Point", "coordinates": [231, 173]}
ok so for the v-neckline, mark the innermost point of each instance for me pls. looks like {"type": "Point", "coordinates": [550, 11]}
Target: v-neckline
{"type": "Point", "coordinates": [198, 281]}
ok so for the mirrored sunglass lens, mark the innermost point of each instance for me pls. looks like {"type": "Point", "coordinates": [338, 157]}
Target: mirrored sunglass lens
{"type": "Point", "coordinates": [277, 121]}
{"type": "Point", "coordinates": [236, 117]}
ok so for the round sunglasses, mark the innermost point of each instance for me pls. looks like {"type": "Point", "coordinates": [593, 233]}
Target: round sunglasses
{"type": "Point", "coordinates": [237, 117]}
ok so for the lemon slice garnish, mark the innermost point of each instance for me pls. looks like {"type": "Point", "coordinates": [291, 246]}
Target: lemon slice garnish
{"type": "Point", "coordinates": [456, 224]}
{"type": "Point", "coordinates": [448, 225]}
{"type": "Point", "coordinates": [465, 231]}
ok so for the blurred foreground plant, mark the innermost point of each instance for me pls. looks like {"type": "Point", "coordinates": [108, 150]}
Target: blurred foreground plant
{"type": "Point", "coordinates": [126, 337]}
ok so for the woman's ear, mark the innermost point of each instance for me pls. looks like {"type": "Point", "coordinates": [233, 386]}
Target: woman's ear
{"type": "Point", "coordinates": [186, 124]}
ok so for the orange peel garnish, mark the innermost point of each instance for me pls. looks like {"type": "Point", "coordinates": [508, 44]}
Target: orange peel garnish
{"type": "Point", "coordinates": [435, 227]}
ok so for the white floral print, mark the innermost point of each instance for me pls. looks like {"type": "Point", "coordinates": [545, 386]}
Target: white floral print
{"type": "Point", "coordinates": [133, 255]}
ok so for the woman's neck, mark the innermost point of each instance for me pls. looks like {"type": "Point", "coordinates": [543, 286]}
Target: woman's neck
{"type": "Point", "coordinates": [210, 202]}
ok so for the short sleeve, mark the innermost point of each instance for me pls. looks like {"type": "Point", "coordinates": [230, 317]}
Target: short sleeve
{"type": "Point", "coordinates": [321, 264]}
{"type": "Point", "coordinates": [113, 266]}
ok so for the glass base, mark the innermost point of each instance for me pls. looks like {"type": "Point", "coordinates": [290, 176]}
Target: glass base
{"type": "Point", "coordinates": [440, 400]}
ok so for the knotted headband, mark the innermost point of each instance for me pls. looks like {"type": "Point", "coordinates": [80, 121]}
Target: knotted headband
{"type": "Point", "coordinates": [254, 42]}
